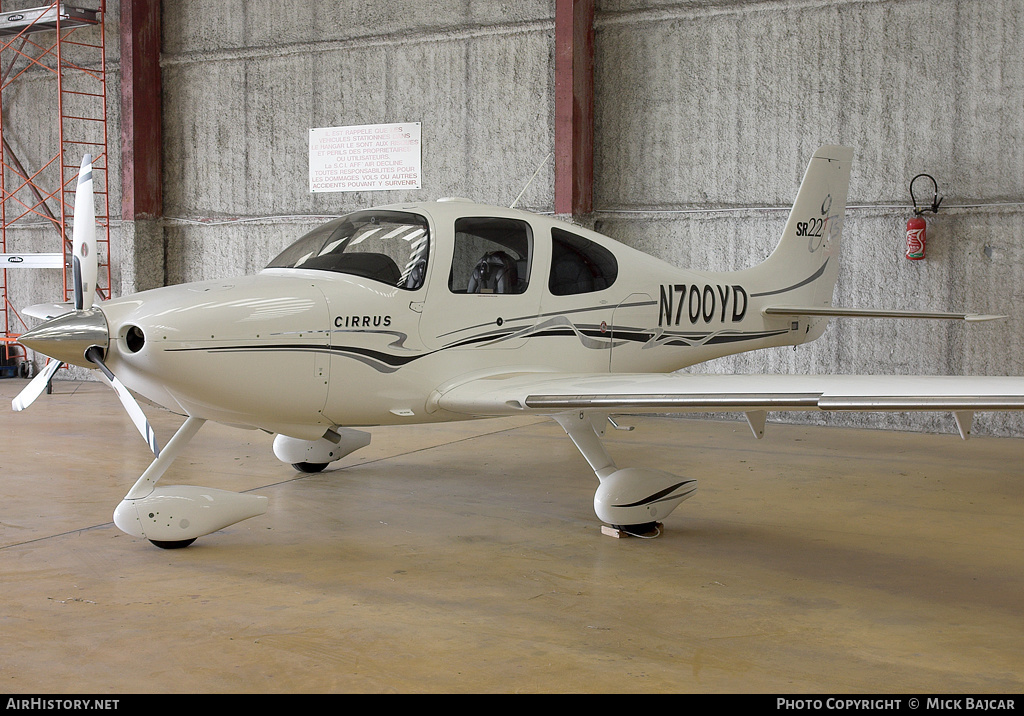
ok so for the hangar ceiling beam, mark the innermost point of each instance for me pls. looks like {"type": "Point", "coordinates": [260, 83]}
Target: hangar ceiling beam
{"type": "Point", "coordinates": [574, 107]}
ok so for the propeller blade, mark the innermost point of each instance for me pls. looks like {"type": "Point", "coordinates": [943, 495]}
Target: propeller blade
{"type": "Point", "coordinates": [36, 386]}
{"type": "Point", "coordinates": [84, 264]}
{"type": "Point", "coordinates": [130, 404]}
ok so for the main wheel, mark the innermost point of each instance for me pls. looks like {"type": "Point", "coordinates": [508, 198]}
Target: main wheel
{"type": "Point", "coordinates": [175, 544]}
{"type": "Point", "coordinates": [309, 466]}
{"type": "Point", "coordinates": [647, 529]}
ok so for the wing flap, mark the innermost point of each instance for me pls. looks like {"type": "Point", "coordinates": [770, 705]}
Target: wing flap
{"type": "Point", "coordinates": [833, 312]}
{"type": "Point", "coordinates": [550, 393]}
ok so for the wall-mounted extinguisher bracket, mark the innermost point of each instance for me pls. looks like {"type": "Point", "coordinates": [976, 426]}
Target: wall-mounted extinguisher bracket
{"type": "Point", "coordinates": [916, 224]}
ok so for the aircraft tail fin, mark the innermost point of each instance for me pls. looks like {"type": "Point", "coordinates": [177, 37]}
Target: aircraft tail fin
{"type": "Point", "coordinates": [803, 268]}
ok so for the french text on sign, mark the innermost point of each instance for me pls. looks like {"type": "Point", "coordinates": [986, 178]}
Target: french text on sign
{"type": "Point", "coordinates": [368, 157]}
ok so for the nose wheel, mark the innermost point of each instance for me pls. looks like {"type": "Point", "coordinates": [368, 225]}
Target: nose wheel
{"type": "Point", "coordinates": [310, 466]}
{"type": "Point", "coordinates": [175, 544]}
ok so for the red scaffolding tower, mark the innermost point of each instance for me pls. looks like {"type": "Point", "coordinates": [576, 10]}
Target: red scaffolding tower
{"type": "Point", "coordinates": [63, 46]}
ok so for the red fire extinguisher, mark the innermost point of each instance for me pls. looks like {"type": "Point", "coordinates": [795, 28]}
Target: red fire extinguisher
{"type": "Point", "coordinates": [916, 224]}
{"type": "Point", "coordinates": [915, 237]}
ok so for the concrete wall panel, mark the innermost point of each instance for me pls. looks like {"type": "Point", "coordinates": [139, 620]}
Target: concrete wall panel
{"type": "Point", "coordinates": [484, 100]}
{"type": "Point", "coordinates": [742, 86]}
{"type": "Point", "coordinates": [745, 91]}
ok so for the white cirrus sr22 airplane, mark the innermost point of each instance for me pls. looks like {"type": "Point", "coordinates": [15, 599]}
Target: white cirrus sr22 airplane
{"type": "Point", "coordinates": [433, 312]}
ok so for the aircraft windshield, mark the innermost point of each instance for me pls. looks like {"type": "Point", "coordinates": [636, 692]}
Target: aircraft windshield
{"type": "Point", "coordinates": [386, 246]}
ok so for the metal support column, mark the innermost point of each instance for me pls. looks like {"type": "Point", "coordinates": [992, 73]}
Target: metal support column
{"type": "Point", "coordinates": [141, 111]}
{"type": "Point", "coordinates": [574, 107]}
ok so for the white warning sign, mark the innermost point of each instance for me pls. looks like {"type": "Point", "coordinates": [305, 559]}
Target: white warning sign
{"type": "Point", "coordinates": [368, 157]}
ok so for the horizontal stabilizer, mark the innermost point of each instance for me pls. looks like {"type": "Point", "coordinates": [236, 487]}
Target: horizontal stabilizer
{"type": "Point", "coordinates": [833, 312]}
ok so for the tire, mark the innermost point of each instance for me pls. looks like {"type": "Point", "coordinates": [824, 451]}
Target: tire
{"type": "Point", "coordinates": [175, 544]}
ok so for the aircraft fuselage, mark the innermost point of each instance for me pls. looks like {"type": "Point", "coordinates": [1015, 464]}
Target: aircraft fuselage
{"type": "Point", "coordinates": [296, 350]}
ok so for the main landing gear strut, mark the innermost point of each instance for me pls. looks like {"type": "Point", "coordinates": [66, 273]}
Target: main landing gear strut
{"type": "Point", "coordinates": [631, 499]}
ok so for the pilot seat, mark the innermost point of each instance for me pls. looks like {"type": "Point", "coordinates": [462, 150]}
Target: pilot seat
{"type": "Point", "coordinates": [495, 273]}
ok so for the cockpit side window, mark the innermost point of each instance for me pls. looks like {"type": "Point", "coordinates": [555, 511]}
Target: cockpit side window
{"type": "Point", "coordinates": [491, 256]}
{"type": "Point", "coordinates": [386, 246]}
{"type": "Point", "coordinates": [579, 265]}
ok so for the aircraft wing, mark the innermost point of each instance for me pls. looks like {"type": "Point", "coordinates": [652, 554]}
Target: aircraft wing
{"type": "Point", "coordinates": [46, 311]}
{"type": "Point", "coordinates": [552, 393]}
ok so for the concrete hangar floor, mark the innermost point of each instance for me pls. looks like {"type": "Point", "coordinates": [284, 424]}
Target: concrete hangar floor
{"type": "Point", "coordinates": [467, 558]}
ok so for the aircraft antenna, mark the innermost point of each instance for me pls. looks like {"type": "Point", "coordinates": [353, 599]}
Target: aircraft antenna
{"type": "Point", "coordinates": [543, 162]}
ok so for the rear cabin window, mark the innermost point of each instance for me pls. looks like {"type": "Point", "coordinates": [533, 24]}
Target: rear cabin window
{"type": "Point", "coordinates": [579, 265]}
{"type": "Point", "coordinates": [491, 256]}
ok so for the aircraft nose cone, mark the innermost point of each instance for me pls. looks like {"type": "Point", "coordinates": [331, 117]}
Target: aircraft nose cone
{"type": "Point", "coordinates": [66, 338]}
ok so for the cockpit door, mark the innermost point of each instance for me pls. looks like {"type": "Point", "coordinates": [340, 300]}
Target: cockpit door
{"type": "Point", "coordinates": [482, 293]}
